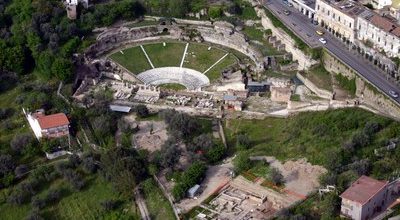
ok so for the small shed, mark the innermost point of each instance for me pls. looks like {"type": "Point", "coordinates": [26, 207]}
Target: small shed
{"type": "Point", "coordinates": [253, 86]}
{"type": "Point", "coordinates": [193, 191]}
{"type": "Point", "coordinates": [120, 108]}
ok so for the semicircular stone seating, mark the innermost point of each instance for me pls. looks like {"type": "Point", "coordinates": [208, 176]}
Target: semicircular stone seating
{"type": "Point", "coordinates": [191, 79]}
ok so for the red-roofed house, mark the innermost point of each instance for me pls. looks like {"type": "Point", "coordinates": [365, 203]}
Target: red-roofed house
{"type": "Point", "coordinates": [48, 126]}
{"type": "Point", "coordinates": [364, 199]}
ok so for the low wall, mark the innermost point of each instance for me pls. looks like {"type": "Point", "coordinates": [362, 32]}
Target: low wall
{"type": "Point", "coordinates": [319, 92]}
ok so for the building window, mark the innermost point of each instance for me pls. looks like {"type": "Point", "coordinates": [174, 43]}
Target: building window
{"type": "Point", "coordinates": [329, 13]}
{"type": "Point", "coordinates": [318, 7]}
{"type": "Point", "coordinates": [350, 24]}
{"type": "Point", "coordinates": [333, 15]}
{"type": "Point", "coordinates": [379, 39]}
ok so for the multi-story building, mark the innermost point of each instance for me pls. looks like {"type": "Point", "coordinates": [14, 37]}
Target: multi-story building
{"type": "Point", "coordinates": [71, 7]}
{"type": "Point", "coordinates": [379, 4]}
{"type": "Point", "coordinates": [339, 17]}
{"type": "Point", "coordinates": [365, 198]}
{"type": "Point", "coordinates": [307, 7]}
{"type": "Point", "coordinates": [379, 32]}
{"type": "Point", "coordinates": [48, 126]}
{"type": "Point", "coordinates": [395, 10]}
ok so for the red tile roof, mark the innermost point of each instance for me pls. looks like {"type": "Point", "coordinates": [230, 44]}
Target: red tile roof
{"type": "Point", "coordinates": [382, 23]}
{"type": "Point", "coordinates": [363, 189]}
{"type": "Point", "coordinates": [51, 121]}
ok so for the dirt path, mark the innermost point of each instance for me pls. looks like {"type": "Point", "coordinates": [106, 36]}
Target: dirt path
{"type": "Point", "coordinates": [142, 205]}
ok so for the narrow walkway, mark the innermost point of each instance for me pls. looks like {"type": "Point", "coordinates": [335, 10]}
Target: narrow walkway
{"type": "Point", "coordinates": [147, 56]}
{"type": "Point", "coordinates": [223, 57]}
{"type": "Point", "coordinates": [141, 205]}
{"type": "Point", "coordinates": [168, 196]}
{"type": "Point", "coordinates": [184, 55]}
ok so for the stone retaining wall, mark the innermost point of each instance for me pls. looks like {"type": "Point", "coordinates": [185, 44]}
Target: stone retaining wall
{"type": "Point", "coordinates": [368, 94]}
{"type": "Point", "coordinates": [320, 92]}
{"type": "Point", "coordinates": [305, 61]}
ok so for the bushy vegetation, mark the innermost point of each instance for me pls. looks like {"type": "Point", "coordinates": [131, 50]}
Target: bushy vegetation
{"type": "Point", "coordinates": [192, 176]}
{"type": "Point", "coordinates": [38, 35]}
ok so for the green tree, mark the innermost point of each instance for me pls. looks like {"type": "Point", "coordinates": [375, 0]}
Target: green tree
{"type": "Point", "coordinates": [62, 69]}
{"type": "Point", "coordinates": [70, 47]}
{"type": "Point", "coordinates": [215, 12]}
{"type": "Point", "coordinates": [216, 153]}
{"type": "Point", "coordinates": [43, 65]}
{"type": "Point", "coordinates": [242, 162]}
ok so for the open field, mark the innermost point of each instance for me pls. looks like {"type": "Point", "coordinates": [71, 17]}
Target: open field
{"type": "Point", "coordinates": [316, 136]}
{"type": "Point", "coordinates": [161, 56]}
{"type": "Point", "coordinates": [157, 204]}
{"type": "Point", "coordinates": [132, 59]}
{"type": "Point", "coordinates": [199, 58]}
{"type": "Point", "coordinates": [84, 204]}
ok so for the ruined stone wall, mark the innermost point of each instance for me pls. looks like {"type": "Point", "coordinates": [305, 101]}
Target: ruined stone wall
{"type": "Point", "coordinates": [320, 92]}
{"type": "Point", "coordinates": [233, 40]}
{"type": "Point", "coordinates": [305, 61]}
{"type": "Point", "coordinates": [368, 94]}
{"type": "Point", "coordinates": [334, 65]}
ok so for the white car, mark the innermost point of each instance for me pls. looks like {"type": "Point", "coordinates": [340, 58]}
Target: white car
{"type": "Point", "coordinates": [393, 94]}
{"type": "Point", "coordinates": [322, 40]}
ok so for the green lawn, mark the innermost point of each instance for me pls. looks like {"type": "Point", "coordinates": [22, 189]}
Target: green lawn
{"type": "Point", "coordinates": [132, 59]}
{"type": "Point", "coordinates": [199, 58]}
{"type": "Point", "coordinates": [215, 72]}
{"type": "Point", "coordinates": [173, 86]}
{"type": "Point", "coordinates": [320, 77]}
{"type": "Point", "coordinates": [170, 55]}
{"type": "Point", "coordinates": [157, 204]}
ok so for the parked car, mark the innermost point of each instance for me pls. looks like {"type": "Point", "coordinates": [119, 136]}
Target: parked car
{"type": "Point", "coordinates": [393, 94]}
{"type": "Point", "coordinates": [286, 12]}
{"type": "Point", "coordinates": [322, 40]}
{"type": "Point", "coordinates": [320, 32]}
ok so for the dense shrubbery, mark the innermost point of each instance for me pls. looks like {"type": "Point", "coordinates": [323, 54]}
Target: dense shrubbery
{"type": "Point", "coordinates": [39, 35]}
{"type": "Point", "coordinates": [193, 175]}
{"type": "Point", "coordinates": [123, 168]}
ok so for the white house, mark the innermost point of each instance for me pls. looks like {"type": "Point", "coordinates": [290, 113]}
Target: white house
{"type": "Point", "coordinates": [48, 126]}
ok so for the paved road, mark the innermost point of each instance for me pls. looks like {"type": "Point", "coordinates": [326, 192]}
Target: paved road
{"type": "Point", "coordinates": [302, 26]}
